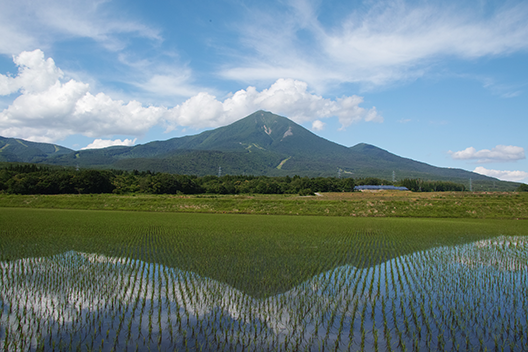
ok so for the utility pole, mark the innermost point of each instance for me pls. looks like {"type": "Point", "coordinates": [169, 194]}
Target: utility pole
{"type": "Point", "coordinates": [470, 185]}
{"type": "Point", "coordinates": [393, 176]}
{"type": "Point", "coordinates": [219, 171]}
{"type": "Point", "coordinates": [338, 173]}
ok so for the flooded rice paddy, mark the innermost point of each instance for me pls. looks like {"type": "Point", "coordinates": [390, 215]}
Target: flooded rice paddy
{"type": "Point", "coordinates": [467, 297]}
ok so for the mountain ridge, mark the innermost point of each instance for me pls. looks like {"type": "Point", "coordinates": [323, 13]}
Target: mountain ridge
{"type": "Point", "coordinates": [20, 150]}
{"type": "Point", "coordinates": [261, 143]}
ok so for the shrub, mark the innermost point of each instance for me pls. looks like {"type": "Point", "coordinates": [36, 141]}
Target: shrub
{"type": "Point", "coordinates": [306, 192]}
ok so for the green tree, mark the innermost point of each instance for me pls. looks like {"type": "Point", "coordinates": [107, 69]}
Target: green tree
{"type": "Point", "coordinates": [93, 181]}
{"type": "Point", "coordinates": [523, 188]}
{"type": "Point", "coordinates": [347, 185]}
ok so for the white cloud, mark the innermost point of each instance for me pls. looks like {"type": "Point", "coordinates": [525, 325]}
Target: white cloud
{"type": "Point", "coordinates": [376, 44]}
{"type": "Point", "coordinates": [12, 39]}
{"type": "Point", "coordinates": [103, 143]}
{"type": "Point", "coordinates": [158, 80]}
{"type": "Point", "coordinates": [27, 24]}
{"type": "Point", "coordinates": [49, 109]}
{"type": "Point", "coordinates": [142, 67]}
{"type": "Point", "coordinates": [514, 176]}
{"type": "Point", "coordinates": [500, 153]}
{"type": "Point", "coordinates": [35, 74]}
{"type": "Point", "coordinates": [318, 125]}
{"type": "Point", "coordinates": [286, 97]}
{"type": "Point", "coordinates": [141, 59]}
{"type": "Point", "coordinates": [170, 85]}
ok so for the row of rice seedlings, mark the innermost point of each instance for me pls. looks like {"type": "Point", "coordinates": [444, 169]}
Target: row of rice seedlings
{"type": "Point", "coordinates": [71, 301]}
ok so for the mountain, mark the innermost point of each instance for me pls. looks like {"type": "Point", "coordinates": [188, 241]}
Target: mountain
{"type": "Point", "coordinates": [18, 150]}
{"type": "Point", "coordinates": [260, 144]}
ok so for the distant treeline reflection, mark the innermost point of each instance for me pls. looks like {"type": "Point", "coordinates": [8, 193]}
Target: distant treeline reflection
{"type": "Point", "coordinates": [33, 179]}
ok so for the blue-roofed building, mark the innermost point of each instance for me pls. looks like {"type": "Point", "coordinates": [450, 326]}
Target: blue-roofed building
{"type": "Point", "coordinates": [379, 188]}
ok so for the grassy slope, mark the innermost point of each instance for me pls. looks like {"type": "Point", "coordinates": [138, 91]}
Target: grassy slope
{"type": "Point", "coordinates": [357, 204]}
{"type": "Point", "coordinates": [18, 150]}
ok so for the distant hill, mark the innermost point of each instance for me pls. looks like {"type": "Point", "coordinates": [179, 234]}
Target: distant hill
{"type": "Point", "coordinates": [19, 150]}
{"type": "Point", "coordinates": [260, 144]}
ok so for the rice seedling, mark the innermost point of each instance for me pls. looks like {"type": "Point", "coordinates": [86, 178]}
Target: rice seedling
{"type": "Point", "coordinates": [156, 282]}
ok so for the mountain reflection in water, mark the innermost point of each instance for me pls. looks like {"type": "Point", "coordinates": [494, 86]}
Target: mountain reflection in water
{"type": "Point", "coordinates": [470, 296]}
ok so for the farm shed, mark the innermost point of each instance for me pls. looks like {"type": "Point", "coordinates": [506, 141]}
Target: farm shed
{"type": "Point", "coordinates": [379, 188]}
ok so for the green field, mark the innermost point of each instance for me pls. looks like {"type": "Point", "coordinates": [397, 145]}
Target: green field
{"type": "Point", "coordinates": [137, 280]}
{"type": "Point", "coordinates": [484, 205]}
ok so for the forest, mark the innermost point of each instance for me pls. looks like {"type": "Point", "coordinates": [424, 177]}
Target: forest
{"type": "Point", "coordinates": [34, 179]}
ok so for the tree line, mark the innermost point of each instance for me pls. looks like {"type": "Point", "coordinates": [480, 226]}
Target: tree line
{"type": "Point", "coordinates": [35, 179]}
{"type": "Point", "coordinates": [417, 185]}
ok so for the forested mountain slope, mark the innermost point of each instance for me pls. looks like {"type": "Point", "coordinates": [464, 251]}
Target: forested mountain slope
{"type": "Point", "coordinates": [260, 144]}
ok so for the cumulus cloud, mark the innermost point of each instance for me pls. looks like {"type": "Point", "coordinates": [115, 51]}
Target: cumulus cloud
{"type": "Point", "coordinates": [103, 143]}
{"type": "Point", "coordinates": [375, 44]}
{"type": "Point", "coordinates": [35, 74]}
{"type": "Point", "coordinates": [318, 125]}
{"type": "Point", "coordinates": [504, 175]}
{"type": "Point", "coordinates": [50, 108]}
{"type": "Point", "coordinates": [287, 97]}
{"type": "Point", "coordinates": [500, 153]}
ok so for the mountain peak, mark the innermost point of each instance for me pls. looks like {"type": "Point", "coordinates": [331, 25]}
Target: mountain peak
{"type": "Point", "coordinates": [279, 134]}
{"type": "Point", "coordinates": [261, 143]}
{"type": "Point", "coordinates": [274, 126]}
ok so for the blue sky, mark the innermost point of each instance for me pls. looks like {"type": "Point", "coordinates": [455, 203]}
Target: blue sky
{"type": "Point", "coordinates": [440, 82]}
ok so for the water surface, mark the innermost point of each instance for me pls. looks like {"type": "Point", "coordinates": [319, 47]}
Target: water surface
{"type": "Point", "coordinates": [465, 297]}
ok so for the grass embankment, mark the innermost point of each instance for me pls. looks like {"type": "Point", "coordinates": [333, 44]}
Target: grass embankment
{"type": "Point", "coordinates": [260, 255]}
{"type": "Point", "coordinates": [356, 204]}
